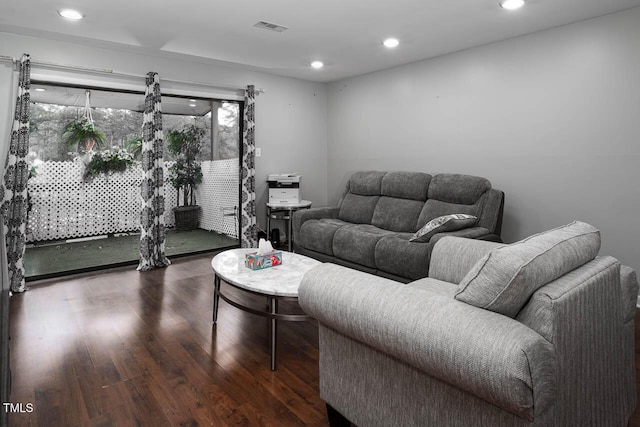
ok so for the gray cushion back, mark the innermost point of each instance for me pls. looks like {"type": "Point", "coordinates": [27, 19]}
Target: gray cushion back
{"type": "Point", "coordinates": [357, 209]}
{"type": "Point", "coordinates": [453, 257]}
{"type": "Point", "coordinates": [396, 214]}
{"type": "Point", "coordinates": [366, 183]}
{"type": "Point", "coordinates": [363, 192]}
{"type": "Point", "coordinates": [406, 185]}
{"type": "Point", "coordinates": [403, 198]}
{"type": "Point", "coordinates": [458, 189]}
{"type": "Point", "coordinates": [454, 194]}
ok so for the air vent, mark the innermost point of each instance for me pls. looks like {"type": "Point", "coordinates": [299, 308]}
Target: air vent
{"type": "Point", "coordinates": [269, 26]}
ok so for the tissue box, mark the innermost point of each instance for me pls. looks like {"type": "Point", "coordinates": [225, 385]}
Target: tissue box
{"type": "Point", "coordinates": [258, 262]}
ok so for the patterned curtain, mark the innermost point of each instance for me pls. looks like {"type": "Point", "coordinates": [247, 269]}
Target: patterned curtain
{"type": "Point", "coordinates": [16, 173]}
{"type": "Point", "coordinates": [152, 233]}
{"type": "Point", "coordinates": [248, 237]}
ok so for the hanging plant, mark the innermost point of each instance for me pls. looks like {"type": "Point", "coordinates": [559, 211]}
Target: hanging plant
{"type": "Point", "coordinates": [107, 162]}
{"type": "Point", "coordinates": [81, 133]}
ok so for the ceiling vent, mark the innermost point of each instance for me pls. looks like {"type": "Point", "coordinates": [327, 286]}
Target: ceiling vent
{"type": "Point", "coordinates": [269, 26]}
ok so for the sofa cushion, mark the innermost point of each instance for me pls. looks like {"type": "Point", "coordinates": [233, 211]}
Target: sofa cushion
{"type": "Point", "coordinates": [366, 183]}
{"type": "Point", "coordinates": [456, 188]}
{"type": "Point", "coordinates": [504, 279]}
{"type": "Point", "coordinates": [395, 254]}
{"type": "Point", "coordinates": [356, 243]}
{"type": "Point", "coordinates": [396, 214]}
{"type": "Point", "coordinates": [435, 209]}
{"type": "Point", "coordinates": [443, 224]}
{"type": "Point", "coordinates": [317, 235]}
{"type": "Point", "coordinates": [357, 209]}
{"type": "Point", "coordinates": [406, 185]}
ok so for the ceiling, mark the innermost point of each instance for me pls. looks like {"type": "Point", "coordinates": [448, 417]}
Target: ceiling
{"type": "Point", "coordinates": [345, 35]}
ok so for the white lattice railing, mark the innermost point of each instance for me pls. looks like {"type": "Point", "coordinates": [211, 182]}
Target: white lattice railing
{"type": "Point", "coordinates": [63, 206]}
{"type": "Point", "coordinates": [218, 195]}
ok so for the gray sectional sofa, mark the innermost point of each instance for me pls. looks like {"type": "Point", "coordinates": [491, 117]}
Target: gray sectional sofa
{"type": "Point", "coordinates": [536, 333]}
{"type": "Point", "coordinates": [379, 212]}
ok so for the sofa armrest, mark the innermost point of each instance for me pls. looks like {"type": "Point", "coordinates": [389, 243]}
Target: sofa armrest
{"type": "Point", "coordinates": [465, 252]}
{"type": "Point", "coordinates": [583, 314]}
{"type": "Point", "coordinates": [492, 356]}
{"type": "Point", "coordinates": [629, 284]}
{"type": "Point", "coordinates": [469, 233]}
{"type": "Point", "coordinates": [492, 211]}
{"type": "Point", "coordinates": [303, 215]}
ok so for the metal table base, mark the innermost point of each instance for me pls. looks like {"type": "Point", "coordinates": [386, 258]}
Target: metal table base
{"type": "Point", "coordinates": [284, 213]}
{"type": "Point", "coordinates": [271, 314]}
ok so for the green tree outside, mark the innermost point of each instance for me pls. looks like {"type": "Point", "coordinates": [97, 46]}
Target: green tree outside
{"type": "Point", "coordinates": [123, 126]}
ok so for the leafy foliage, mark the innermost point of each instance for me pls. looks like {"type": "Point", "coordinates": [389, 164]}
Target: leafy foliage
{"type": "Point", "coordinates": [121, 127]}
{"type": "Point", "coordinates": [135, 147]}
{"type": "Point", "coordinates": [186, 173]}
{"type": "Point", "coordinates": [82, 135]}
{"type": "Point", "coordinates": [107, 162]}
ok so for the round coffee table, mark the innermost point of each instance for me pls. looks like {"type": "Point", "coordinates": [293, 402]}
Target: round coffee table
{"type": "Point", "coordinates": [274, 283]}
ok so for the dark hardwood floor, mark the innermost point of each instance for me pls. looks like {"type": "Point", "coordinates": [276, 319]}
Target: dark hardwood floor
{"type": "Point", "coordinates": [138, 349]}
{"type": "Point", "coordinates": [128, 348]}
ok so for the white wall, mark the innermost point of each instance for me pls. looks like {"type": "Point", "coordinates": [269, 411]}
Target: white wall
{"type": "Point", "coordinates": [551, 118]}
{"type": "Point", "coordinates": [291, 122]}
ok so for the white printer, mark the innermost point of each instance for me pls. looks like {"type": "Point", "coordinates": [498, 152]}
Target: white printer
{"type": "Point", "coordinates": [284, 188]}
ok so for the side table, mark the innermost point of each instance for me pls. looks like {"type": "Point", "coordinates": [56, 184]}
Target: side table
{"type": "Point", "coordinates": [284, 212]}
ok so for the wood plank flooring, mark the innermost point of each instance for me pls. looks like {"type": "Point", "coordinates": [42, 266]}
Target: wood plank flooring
{"type": "Point", "coordinates": [138, 349]}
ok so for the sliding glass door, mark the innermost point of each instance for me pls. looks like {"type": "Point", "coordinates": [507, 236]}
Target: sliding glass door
{"type": "Point", "coordinates": [84, 199]}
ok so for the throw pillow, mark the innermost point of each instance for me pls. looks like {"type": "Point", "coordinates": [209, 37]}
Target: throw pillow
{"type": "Point", "coordinates": [505, 278]}
{"type": "Point", "coordinates": [441, 224]}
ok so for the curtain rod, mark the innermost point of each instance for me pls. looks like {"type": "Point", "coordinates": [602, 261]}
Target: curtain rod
{"type": "Point", "coordinates": [44, 64]}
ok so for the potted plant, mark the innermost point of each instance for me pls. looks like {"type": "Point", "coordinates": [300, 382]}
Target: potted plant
{"type": "Point", "coordinates": [186, 173]}
{"type": "Point", "coordinates": [107, 162]}
{"type": "Point", "coordinates": [82, 135]}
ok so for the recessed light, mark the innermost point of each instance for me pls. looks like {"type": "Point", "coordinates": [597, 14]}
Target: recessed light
{"type": "Point", "coordinates": [192, 105]}
{"type": "Point", "coordinates": [391, 43]}
{"type": "Point", "coordinates": [511, 4]}
{"type": "Point", "coordinates": [40, 89]}
{"type": "Point", "coordinates": [74, 15]}
{"type": "Point", "coordinates": [192, 100]}
{"type": "Point", "coordinates": [317, 64]}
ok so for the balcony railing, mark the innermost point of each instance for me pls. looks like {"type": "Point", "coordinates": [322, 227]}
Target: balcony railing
{"type": "Point", "coordinates": [63, 206]}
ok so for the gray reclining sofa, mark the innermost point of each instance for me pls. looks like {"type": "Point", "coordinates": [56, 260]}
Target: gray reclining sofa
{"type": "Point", "coordinates": [380, 211]}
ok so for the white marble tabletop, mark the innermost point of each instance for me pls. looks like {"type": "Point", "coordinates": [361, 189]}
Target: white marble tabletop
{"type": "Point", "coordinates": [281, 280]}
